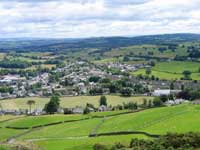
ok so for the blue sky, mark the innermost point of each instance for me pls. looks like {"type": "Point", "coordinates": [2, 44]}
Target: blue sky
{"type": "Point", "coordinates": [93, 18]}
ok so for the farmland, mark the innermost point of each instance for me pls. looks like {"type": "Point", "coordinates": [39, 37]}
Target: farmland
{"type": "Point", "coordinates": [182, 118]}
{"type": "Point", "coordinates": [20, 103]}
{"type": "Point", "coordinates": [173, 70]}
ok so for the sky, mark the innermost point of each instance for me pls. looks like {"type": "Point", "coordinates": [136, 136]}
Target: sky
{"type": "Point", "coordinates": [95, 18]}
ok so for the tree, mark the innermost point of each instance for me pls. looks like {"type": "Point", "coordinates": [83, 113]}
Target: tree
{"type": "Point", "coordinates": [126, 58]}
{"type": "Point", "coordinates": [187, 74]}
{"type": "Point", "coordinates": [30, 103]}
{"type": "Point", "coordinates": [86, 110]}
{"type": "Point", "coordinates": [157, 102]}
{"type": "Point", "coordinates": [171, 86]}
{"type": "Point", "coordinates": [52, 106]}
{"type": "Point", "coordinates": [103, 100]}
{"type": "Point", "coordinates": [94, 79]}
{"type": "Point", "coordinates": [163, 98]}
{"type": "Point", "coordinates": [126, 91]}
{"type": "Point", "coordinates": [148, 71]}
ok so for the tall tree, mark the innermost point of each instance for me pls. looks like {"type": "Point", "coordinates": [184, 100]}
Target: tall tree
{"type": "Point", "coordinates": [103, 100]}
{"type": "Point", "coordinates": [30, 103]}
{"type": "Point", "coordinates": [52, 106]}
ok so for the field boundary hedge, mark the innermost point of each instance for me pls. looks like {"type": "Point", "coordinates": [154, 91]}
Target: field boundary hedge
{"type": "Point", "coordinates": [67, 121]}
{"type": "Point", "coordinates": [125, 133]}
{"type": "Point", "coordinates": [45, 125]}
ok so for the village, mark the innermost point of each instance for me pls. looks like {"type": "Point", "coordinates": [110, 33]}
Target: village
{"type": "Point", "coordinates": [85, 78]}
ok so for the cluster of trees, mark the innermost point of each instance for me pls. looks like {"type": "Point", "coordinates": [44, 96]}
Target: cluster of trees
{"type": "Point", "coordinates": [15, 64]}
{"type": "Point", "coordinates": [52, 106]}
{"type": "Point", "coordinates": [123, 86]}
{"type": "Point", "coordinates": [147, 76]}
{"type": "Point", "coordinates": [170, 141]}
{"type": "Point", "coordinates": [189, 94]}
{"type": "Point", "coordinates": [187, 75]}
{"type": "Point", "coordinates": [24, 73]}
{"type": "Point", "coordinates": [102, 101]}
{"type": "Point", "coordinates": [5, 89]}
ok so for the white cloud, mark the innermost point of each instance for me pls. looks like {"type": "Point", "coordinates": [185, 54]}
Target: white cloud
{"type": "Point", "coordinates": [89, 18]}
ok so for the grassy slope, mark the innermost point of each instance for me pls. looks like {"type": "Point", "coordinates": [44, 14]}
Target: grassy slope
{"type": "Point", "coordinates": [173, 70]}
{"type": "Point", "coordinates": [80, 128]}
{"type": "Point", "coordinates": [181, 118]}
{"type": "Point", "coordinates": [68, 101]}
{"type": "Point", "coordinates": [41, 120]}
{"type": "Point", "coordinates": [7, 133]}
{"type": "Point", "coordinates": [87, 143]}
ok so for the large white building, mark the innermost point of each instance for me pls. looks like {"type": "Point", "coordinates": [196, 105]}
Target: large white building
{"type": "Point", "coordinates": [164, 92]}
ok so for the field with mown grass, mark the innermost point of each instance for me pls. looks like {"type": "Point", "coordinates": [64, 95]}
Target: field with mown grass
{"type": "Point", "coordinates": [69, 102]}
{"type": "Point", "coordinates": [173, 70]}
{"type": "Point", "coordinates": [74, 135]}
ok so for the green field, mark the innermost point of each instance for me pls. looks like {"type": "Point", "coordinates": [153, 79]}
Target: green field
{"type": "Point", "coordinates": [68, 102]}
{"type": "Point", "coordinates": [173, 70]}
{"type": "Point", "coordinates": [74, 135]}
{"type": "Point", "coordinates": [41, 120]}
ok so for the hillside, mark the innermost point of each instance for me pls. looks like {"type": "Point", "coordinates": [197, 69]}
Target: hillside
{"type": "Point", "coordinates": [52, 45]}
{"type": "Point", "coordinates": [182, 118]}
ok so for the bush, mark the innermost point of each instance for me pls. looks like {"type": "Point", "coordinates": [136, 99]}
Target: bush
{"type": "Point", "coordinates": [99, 147]}
{"type": "Point", "coordinates": [157, 102]}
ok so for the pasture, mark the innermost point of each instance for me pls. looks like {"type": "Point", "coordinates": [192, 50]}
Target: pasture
{"type": "Point", "coordinates": [69, 102]}
{"type": "Point", "coordinates": [173, 70]}
{"type": "Point", "coordinates": [74, 135]}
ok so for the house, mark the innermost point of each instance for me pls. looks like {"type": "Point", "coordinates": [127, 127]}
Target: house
{"type": "Point", "coordinates": [164, 92]}
{"type": "Point", "coordinates": [102, 108]}
{"type": "Point", "coordinates": [161, 92]}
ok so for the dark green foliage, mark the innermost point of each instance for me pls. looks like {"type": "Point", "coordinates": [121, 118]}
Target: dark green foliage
{"type": "Point", "coordinates": [126, 58]}
{"type": "Point", "coordinates": [52, 106]}
{"type": "Point", "coordinates": [5, 89]}
{"type": "Point", "coordinates": [99, 147]}
{"type": "Point", "coordinates": [105, 80]}
{"type": "Point", "coordinates": [103, 101]}
{"type": "Point", "coordinates": [163, 98]}
{"type": "Point", "coordinates": [148, 71]}
{"type": "Point", "coordinates": [96, 91]}
{"type": "Point", "coordinates": [67, 111]}
{"type": "Point", "coordinates": [94, 79]}
{"type": "Point", "coordinates": [189, 94]}
{"type": "Point", "coordinates": [170, 141]}
{"type": "Point", "coordinates": [157, 102]}
{"type": "Point", "coordinates": [171, 86]}
{"type": "Point", "coordinates": [14, 64]}
{"type": "Point", "coordinates": [130, 105]}
{"type": "Point", "coordinates": [126, 91]}
{"type": "Point", "coordinates": [186, 74]}
{"type": "Point", "coordinates": [86, 110]}
{"type": "Point", "coordinates": [118, 146]}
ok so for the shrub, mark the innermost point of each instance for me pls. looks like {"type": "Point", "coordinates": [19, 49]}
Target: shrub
{"type": "Point", "coordinates": [99, 147]}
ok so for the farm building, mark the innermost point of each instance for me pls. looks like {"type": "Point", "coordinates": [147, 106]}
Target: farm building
{"type": "Point", "coordinates": [165, 92]}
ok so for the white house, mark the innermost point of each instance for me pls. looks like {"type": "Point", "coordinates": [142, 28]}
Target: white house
{"type": "Point", "coordinates": [165, 92]}
{"type": "Point", "coordinates": [161, 92]}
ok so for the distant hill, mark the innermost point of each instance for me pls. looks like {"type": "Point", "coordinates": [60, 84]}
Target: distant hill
{"type": "Point", "coordinates": [55, 45]}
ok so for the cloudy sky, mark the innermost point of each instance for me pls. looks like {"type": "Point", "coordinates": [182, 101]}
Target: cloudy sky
{"type": "Point", "coordinates": [92, 18]}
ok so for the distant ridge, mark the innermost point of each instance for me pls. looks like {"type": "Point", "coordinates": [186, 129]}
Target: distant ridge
{"type": "Point", "coordinates": [52, 45]}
